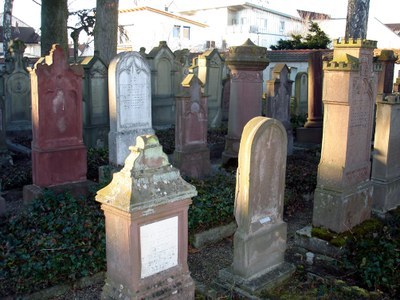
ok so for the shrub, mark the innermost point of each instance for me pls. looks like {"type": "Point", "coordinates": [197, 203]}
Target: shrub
{"type": "Point", "coordinates": [57, 239]}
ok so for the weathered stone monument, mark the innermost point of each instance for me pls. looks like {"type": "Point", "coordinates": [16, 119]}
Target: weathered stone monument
{"type": "Point", "coordinates": [385, 165]}
{"type": "Point", "coordinates": [312, 130]}
{"type": "Point", "coordinates": [226, 95]}
{"type": "Point", "coordinates": [279, 90]}
{"type": "Point", "coordinates": [17, 90]}
{"type": "Point", "coordinates": [58, 152]}
{"type": "Point", "coordinates": [129, 87]}
{"type": "Point", "coordinates": [163, 71]}
{"type": "Point", "coordinates": [209, 70]}
{"type": "Point", "coordinates": [96, 121]}
{"type": "Point", "coordinates": [191, 155]}
{"type": "Point", "coordinates": [301, 93]}
{"type": "Point", "coordinates": [145, 208]}
{"type": "Point", "coordinates": [260, 239]}
{"type": "Point", "coordinates": [343, 195]}
{"type": "Point", "coordinates": [246, 63]}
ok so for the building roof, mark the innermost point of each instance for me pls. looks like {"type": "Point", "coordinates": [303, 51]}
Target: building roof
{"type": "Point", "coordinates": [25, 34]}
{"type": "Point", "coordinates": [395, 27]}
{"type": "Point", "coordinates": [163, 13]}
{"type": "Point", "coordinates": [298, 55]}
{"type": "Point", "coordinates": [311, 15]}
{"type": "Point", "coordinates": [235, 5]}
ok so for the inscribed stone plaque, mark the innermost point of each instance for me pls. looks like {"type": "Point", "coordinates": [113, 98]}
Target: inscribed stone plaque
{"type": "Point", "coordinates": [159, 246]}
{"type": "Point", "coordinates": [134, 96]}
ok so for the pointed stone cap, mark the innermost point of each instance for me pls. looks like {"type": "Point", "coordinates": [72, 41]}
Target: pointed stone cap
{"type": "Point", "coordinates": [146, 180]}
{"type": "Point", "coordinates": [248, 55]}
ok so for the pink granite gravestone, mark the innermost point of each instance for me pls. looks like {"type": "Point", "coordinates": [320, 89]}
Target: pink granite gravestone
{"type": "Point", "coordinates": [246, 63]}
{"type": "Point", "coordinates": [58, 152]}
{"type": "Point", "coordinates": [146, 217]}
{"type": "Point", "coordinates": [191, 155]}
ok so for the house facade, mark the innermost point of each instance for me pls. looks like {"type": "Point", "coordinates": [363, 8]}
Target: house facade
{"type": "Point", "coordinates": [236, 21]}
{"type": "Point", "coordinates": [146, 26]}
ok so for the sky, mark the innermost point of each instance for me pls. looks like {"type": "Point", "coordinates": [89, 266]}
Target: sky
{"type": "Point", "coordinates": [387, 11]}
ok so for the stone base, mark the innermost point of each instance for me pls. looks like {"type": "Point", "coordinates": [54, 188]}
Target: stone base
{"type": "Point", "coordinates": [304, 240]}
{"type": "Point", "coordinates": [309, 135]}
{"type": "Point", "coordinates": [231, 149]}
{"type": "Point", "coordinates": [119, 143]}
{"type": "Point", "coordinates": [76, 189]}
{"type": "Point", "coordinates": [260, 251]}
{"type": "Point", "coordinates": [193, 163]}
{"type": "Point", "coordinates": [264, 281]}
{"type": "Point", "coordinates": [180, 286]}
{"type": "Point", "coordinates": [341, 211]}
{"type": "Point", "coordinates": [386, 195]}
{"type": "Point", "coordinates": [59, 165]}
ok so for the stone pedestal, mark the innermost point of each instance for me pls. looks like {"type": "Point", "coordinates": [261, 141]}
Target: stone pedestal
{"type": "Point", "coordinates": [312, 130]}
{"type": "Point", "coordinates": [58, 152]}
{"type": "Point", "coordinates": [343, 195]}
{"type": "Point", "coordinates": [386, 165]}
{"type": "Point", "coordinates": [260, 240]}
{"type": "Point", "coordinates": [246, 63]}
{"type": "Point", "coordinates": [191, 155]}
{"type": "Point", "coordinates": [145, 208]}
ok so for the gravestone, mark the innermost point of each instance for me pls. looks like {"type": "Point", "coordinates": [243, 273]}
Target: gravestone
{"type": "Point", "coordinates": [226, 91]}
{"type": "Point", "coordinates": [183, 65]}
{"type": "Point", "coordinates": [163, 72]}
{"type": "Point", "coordinates": [17, 90]}
{"type": "Point", "coordinates": [210, 67]}
{"type": "Point", "coordinates": [58, 152]}
{"type": "Point", "coordinates": [343, 195]}
{"type": "Point", "coordinates": [191, 155]}
{"type": "Point", "coordinates": [129, 88]}
{"type": "Point", "coordinates": [246, 63]}
{"type": "Point", "coordinates": [301, 93]}
{"type": "Point", "coordinates": [146, 221]}
{"type": "Point", "coordinates": [260, 240]}
{"type": "Point", "coordinates": [279, 90]}
{"type": "Point", "coordinates": [96, 121]}
{"type": "Point", "coordinates": [386, 165]}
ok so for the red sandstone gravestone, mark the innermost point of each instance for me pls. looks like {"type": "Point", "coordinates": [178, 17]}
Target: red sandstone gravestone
{"type": "Point", "coordinates": [145, 208]}
{"type": "Point", "coordinates": [58, 152]}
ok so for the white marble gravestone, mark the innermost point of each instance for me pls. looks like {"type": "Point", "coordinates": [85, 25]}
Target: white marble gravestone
{"type": "Point", "coordinates": [129, 84]}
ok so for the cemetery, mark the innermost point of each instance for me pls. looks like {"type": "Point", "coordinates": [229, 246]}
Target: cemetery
{"type": "Point", "coordinates": [157, 176]}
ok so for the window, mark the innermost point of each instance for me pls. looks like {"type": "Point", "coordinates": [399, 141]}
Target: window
{"type": "Point", "coordinates": [282, 26]}
{"type": "Point", "coordinates": [243, 21]}
{"type": "Point", "coordinates": [176, 31]}
{"type": "Point", "coordinates": [234, 21]}
{"type": "Point", "coordinates": [186, 32]}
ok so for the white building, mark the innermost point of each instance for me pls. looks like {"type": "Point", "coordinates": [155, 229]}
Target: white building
{"type": "Point", "coordinates": [232, 22]}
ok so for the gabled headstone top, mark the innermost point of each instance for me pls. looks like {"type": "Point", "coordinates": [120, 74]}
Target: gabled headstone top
{"type": "Point", "coordinates": [246, 54]}
{"type": "Point", "coordinates": [147, 179]}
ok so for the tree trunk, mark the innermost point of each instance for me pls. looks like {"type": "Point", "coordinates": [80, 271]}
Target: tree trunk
{"type": "Point", "coordinates": [106, 28]}
{"type": "Point", "coordinates": [357, 19]}
{"type": "Point", "coordinates": [7, 25]}
{"type": "Point", "coordinates": [54, 25]}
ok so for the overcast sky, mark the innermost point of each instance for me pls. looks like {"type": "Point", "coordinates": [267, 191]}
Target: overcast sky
{"type": "Point", "coordinates": [387, 11]}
